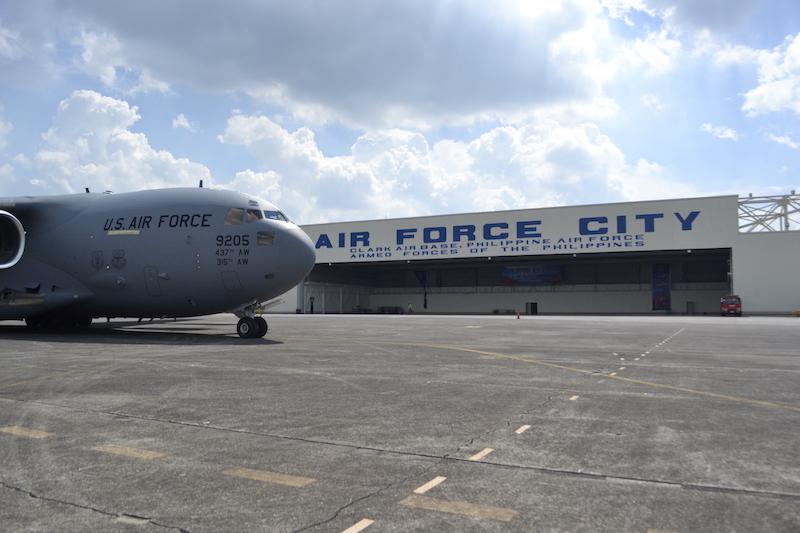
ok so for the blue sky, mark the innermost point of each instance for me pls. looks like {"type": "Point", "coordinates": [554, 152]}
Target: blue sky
{"type": "Point", "coordinates": [362, 109]}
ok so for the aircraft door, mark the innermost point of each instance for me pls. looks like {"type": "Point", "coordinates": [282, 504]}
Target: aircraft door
{"type": "Point", "coordinates": [151, 281]}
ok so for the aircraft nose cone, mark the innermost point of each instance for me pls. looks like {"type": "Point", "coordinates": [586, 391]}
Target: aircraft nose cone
{"type": "Point", "coordinates": [298, 252]}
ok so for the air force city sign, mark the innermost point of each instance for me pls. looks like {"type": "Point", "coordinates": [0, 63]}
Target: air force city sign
{"type": "Point", "coordinates": [663, 225]}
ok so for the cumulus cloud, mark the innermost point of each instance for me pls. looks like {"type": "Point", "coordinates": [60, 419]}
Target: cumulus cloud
{"type": "Point", "coordinates": [181, 122]}
{"type": "Point", "coordinates": [408, 64]}
{"type": "Point", "coordinates": [651, 101]}
{"type": "Point", "coordinates": [720, 132]}
{"type": "Point", "coordinates": [5, 129]}
{"type": "Point", "coordinates": [778, 80]}
{"type": "Point", "coordinates": [90, 144]}
{"type": "Point", "coordinates": [399, 172]}
{"type": "Point", "coordinates": [785, 140]}
{"type": "Point", "coordinates": [266, 185]}
{"type": "Point", "coordinates": [10, 47]}
{"type": "Point", "coordinates": [692, 14]}
{"type": "Point", "coordinates": [102, 56]}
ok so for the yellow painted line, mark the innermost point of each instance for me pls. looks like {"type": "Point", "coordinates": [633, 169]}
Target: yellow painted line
{"type": "Point", "coordinates": [481, 454]}
{"type": "Point", "coordinates": [133, 453]}
{"type": "Point", "coordinates": [5, 386]}
{"type": "Point", "coordinates": [613, 374]}
{"type": "Point", "coordinates": [622, 368]}
{"type": "Point", "coordinates": [573, 398]}
{"type": "Point", "coordinates": [649, 530]}
{"type": "Point", "coordinates": [123, 232]}
{"type": "Point", "coordinates": [361, 525]}
{"type": "Point", "coordinates": [653, 384]}
{"type": "Point", "coordinates": [20, 431]}
{"type": "Point", "coordinates": [522, 429]}
{"type": "Point", "coordinates": [270, 477]}
{"type": "Point", "coordinates": [438, 480]}
{"type": "Point", "coordinates": [462, 508]}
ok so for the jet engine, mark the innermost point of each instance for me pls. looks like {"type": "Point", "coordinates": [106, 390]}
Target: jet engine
{"type": "Point", "coordinates": [12, 240]}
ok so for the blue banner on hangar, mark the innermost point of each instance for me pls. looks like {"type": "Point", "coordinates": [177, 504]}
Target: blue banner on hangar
{"type": "Point", "coordinates": [532, 274]}
{"type": "Point", "coordinates": [661, 287]}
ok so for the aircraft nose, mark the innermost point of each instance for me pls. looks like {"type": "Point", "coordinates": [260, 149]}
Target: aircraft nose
{"type": "Point", "coordinates": [298, 252]}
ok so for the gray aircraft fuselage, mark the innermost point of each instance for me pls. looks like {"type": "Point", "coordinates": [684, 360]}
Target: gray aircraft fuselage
{"type": "Point", "coordinates": [156, 253]}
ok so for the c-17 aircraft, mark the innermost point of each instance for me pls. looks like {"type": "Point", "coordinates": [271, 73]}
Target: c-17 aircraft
{"type": "Point", "coordinates": [65, 260]}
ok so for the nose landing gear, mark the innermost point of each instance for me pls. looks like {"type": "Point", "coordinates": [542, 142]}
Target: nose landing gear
{"type": "Point", "coordinates": [252, 327]}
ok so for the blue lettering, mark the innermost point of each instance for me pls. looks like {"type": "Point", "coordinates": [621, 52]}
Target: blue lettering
{"type": "Point", "coordinates": [622, 224]}
{"type": "Point", "coordinates": [686, 223]}
{"type": "Point", "coordinates": [467, 230]}
{"type": "Point", "coordinates": [650, 221]}
{"type": "Point", "coordinates": [427, 234]}
{"type": "Point", "coordinates": [527, 228]}
{"type": "Point", "coordinates": [487, 231]}
{"type": "Point", "coordinates": [323, 240]}
{"type": "Point", "coordinates": [341, 240]}
{"type": "Point", "coordinates": [359, 237]}
{"type": "Point", "coordinates": [403, 234]}
{"type": "Point", "coordinates": [583, 226]}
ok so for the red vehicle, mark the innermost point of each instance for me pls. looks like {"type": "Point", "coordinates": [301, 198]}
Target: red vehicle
{"type": "Point", "coordinates": [730, 305]}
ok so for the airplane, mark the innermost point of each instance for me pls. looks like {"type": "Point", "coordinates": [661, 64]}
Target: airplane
{"type": "Point", "coordinates": [162, 253]}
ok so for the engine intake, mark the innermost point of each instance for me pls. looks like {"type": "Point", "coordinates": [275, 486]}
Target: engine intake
{"type": "Point", "coordinates": [12, 240]}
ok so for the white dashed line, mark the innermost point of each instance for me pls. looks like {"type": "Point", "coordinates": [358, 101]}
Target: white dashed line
{"type": "Point", "coordinates": [359, 526]}
{"type": "Point", "coordinates": [438, 480]}
{"type": "Point", "coordinates": [573, 398]}
{"type": "Point", "coordinates": [481, 454]}
{"type": "Point", "coordinates": [522, 429]}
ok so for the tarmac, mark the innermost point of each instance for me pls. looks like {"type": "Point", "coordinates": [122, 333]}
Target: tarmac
{"type": "Point", "coordinates": [403, 423]}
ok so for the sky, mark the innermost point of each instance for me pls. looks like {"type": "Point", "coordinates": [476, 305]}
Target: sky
{"type": "Point", "coordinates": [349, 110]}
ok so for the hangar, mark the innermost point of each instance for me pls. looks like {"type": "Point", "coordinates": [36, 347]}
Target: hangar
{"type": "Point", "coordinates": [657, 257]}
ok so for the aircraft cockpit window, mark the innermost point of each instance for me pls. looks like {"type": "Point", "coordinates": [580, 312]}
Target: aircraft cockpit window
{"type": "Point", "coordinates": [276, 215]}
{"type": "Point", "coordinates": [253, 215]}
{"type": "Point", "coordinates": [234, 216]}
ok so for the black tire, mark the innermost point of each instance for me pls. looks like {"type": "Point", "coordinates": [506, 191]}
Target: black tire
{"type": "Point", "coordinates": [262, 326]}
{"type": "Point", "coordinates": [246, 328]}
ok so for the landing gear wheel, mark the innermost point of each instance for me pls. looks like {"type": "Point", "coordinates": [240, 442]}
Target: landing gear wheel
{"type": "Point", "coordinates": [247, 328]}
{"type": "Point", "coordinates": [262, 326]}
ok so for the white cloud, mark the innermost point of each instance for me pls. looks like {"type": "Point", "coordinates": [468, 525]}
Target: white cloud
{"type": "Point", "coordinates": [691, 14]}
{"type": "Point", "coordinates": [720, 132]}
{"type": "Point", "coordinates": [90, 145]}
{"type": "Point", "coordinates": [10, 46]}
{"type": "Point", "coordinates": [399, 173]}
{"type": "Point", "coordinates": [651, 101]}
{"type": "Point", "coordinates": [181, 122]}
{"type": "Point", "coordinates": [5, 129]}
{"type": "Point", "coordinates": [784, 140]}
{"type": "Point", "coordinates": [266, 185]}
{"type": "Point", "coordinates": [103, 57]}
{"type": "Point", "coordinates": [778, 80]}
{"type": "Point", "coordinates": [657, 53]}
{"type": "Point", "coordinates": [414, 65]}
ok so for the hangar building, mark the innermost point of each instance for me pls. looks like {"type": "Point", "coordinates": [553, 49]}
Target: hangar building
{"type": "Point", "coordinates": [657, 257]}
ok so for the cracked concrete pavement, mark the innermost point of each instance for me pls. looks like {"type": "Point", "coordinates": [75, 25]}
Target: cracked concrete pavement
{"type": "Point", "coordinates": [695, 431]}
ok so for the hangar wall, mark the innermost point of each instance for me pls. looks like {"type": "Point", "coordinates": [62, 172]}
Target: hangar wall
{"type": "Point", "coordinates": [764, 266]}
{"type": "Point", "coordinates": [766, 271]}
